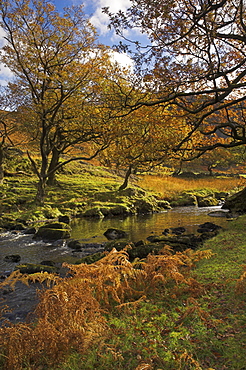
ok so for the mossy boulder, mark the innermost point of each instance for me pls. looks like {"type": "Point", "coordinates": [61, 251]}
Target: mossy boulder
{"type": "Point", "coordinates": [120, 210]}
{"type": "Point", "coordinates": [112, 234]}
{"type": "Point", "coordinates": [94, 212]}
{"type": "Point", "coordinates": [236, 203]}
{"type": "Point", "coordinates": [145, 205]}
{"type": "Point", "coordinates": [184, 199]}
{"type": "Point", "coordinates": [163, 204]}
{"type": "Point", "coordinates": [178, 242]}
{"type": "Point", "coordinates": [92, 258]}
{"type": "Point", "coordinates": [74, 244]}
{"type": "Point", "coordinates": [207, 201]}
{"type": "Point", "coordinates": [136, 250]}
{"type": "Point", "coordinates": [53, 231]}
{"type": "Point", "coordinates": [32, 268]}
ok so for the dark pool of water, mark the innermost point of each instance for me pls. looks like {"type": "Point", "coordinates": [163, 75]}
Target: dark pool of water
{"type": "Point", "coordinates": [91, 231]}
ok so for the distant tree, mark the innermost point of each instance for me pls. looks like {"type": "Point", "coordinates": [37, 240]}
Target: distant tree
{"type": "Point", "coordinates": [194, 58]}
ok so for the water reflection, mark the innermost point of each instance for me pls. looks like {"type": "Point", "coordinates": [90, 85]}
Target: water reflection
{"type": "Point", "coordinates": [141, 226]}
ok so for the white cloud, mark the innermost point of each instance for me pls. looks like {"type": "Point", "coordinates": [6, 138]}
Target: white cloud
{"type": "Point", "coordinates": [123, 60]}
{"type": "Point", "coordinates": [5, 74]}
{"type": "Point", "coordinates": [101, 20]}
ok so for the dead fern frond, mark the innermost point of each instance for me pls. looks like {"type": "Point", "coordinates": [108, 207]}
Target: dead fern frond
{"type": "Point", "coordinates": [144, 366]}
{"type": "Point", "coordinates": [186, 362]}
{"type": "Point", "coordinates": [241, 283]}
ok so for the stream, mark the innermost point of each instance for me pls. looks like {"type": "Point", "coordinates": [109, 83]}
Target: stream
{"type": "Point", "coordinates": [90, 231]}
{"type": "Point", "coordinates": [22, 299]}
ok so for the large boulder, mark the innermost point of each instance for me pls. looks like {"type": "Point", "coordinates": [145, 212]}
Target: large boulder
{"type": "Point", "coordinates": [184, 199]}
{"type": "Point", "coordinates": [178, 242]}
{"type": "Point", "coordinates": [32, 268]}
{"type": "Point", "coordinates": [12, 258]}
{"type": "Point", "coordinates": [236, 203]}
{"type": "Point", "coordinates": [113, 234]}
{"type": "Point", "coordinates": [53, 231]}
{"type": "Point", "coordinates": [209, 201]}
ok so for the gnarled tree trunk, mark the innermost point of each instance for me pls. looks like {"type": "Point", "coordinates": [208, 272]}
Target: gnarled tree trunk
{"type": "Point", "coordinates": [51, 170]}
{"type": "Point", "coordinates": [127, 175]}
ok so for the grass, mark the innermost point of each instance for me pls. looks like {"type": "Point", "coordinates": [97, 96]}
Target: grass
{"type": "Point", "coordinates": [168, 186]}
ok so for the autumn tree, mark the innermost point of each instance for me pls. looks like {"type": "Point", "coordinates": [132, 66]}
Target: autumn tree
{"type": "Point", "coordinates": [58, 67]}
{"type": "Point", "coordinates": [194, 58]}
{"type": "Point", "coordinates": [145, 139]}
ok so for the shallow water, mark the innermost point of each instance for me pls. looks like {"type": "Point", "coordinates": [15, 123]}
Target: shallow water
{"type": "Point", "coordinates": [141, 226]}
{"type": "Point", "coordinates": [91, 231]}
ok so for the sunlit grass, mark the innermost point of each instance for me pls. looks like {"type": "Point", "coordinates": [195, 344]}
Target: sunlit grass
{"type": "Point", "coordinates": [168, 185]}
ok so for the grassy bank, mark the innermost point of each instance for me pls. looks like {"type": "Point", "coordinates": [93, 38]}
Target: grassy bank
{"type": "Point", "coordinates": [81, 186]}
{"type": "Point", "coordinates": [172, 311]}
{"type": "Point", "coordinates": [169, 186]}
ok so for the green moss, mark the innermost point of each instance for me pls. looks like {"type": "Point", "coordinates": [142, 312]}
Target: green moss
{"type": "Point", "coordinates": [91, 258]}
{"type": "Point", "coordinates": [31, 268]}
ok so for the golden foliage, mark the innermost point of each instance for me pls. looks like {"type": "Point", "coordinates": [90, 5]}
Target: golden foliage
{"type": "Point", "coordinates": [69, 315]}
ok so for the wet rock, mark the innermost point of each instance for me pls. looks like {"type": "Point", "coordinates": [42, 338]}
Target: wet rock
{"type": "Point", "coordinates": [236, 203]}
{"type": "Point", "coordinates": [120, 210]}
{"type": "Point", "coordinates": [52, 234]}
{"type": "Point", "coordinates": [183, 200]}
{"type": "Point", "coordinates": [92, 258]}
{"type": "Point", "coordinates": [178, 230]}
{"type": "Point", "coordinates": [65, 219]}
{"type": "Point", "coordinates": [221, 213]}
{"type": "Point", "coordinates": [145, 206]}
{"type": "Point", "coordinates": [12, 258]}
{"type": "Point", "coordinates": [164, 204]}
{"type": "Point", "coordinates": [139, 243]}
{"type": "Point", "coordinates": [48, 263]}
{"type": "Point", "coordinates": [208, 227]}
{"type": "Point", "coordinates": [112, 234]}
{"type": "Point", "coordinates": [18, 227]}
{"type": "Point", "coordinates": [178, 242]}
{"type": "Point", "coordinates": [53, 231]}
{"type": "Point", "coordinates": [166, 232]}
{"type": "Point", "coordinates": [74, 244]}
{"type": "Point", "coordinates": [209, 201]}
{"type": "Point", "coordinates": [32, 268]}
{"type": "Point", "coordinates": [30, 231]}
{"type": "Point", "coordinates": [93, 212]}
{"type": "Point", "coordinates": [135, 250]}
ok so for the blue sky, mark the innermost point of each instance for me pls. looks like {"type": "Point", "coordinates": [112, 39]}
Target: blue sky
{"type": "Point", "coordinates": [93, 8]}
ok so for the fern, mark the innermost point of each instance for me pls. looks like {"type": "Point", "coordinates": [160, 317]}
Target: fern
{"type": "Point", "coordinates": [71, 310]}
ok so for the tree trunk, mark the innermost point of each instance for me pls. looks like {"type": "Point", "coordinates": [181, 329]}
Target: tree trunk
{"type": "Point", "coordinates": [51, 170]}
{"type": "Point", "coordinates": [127, 175]}
{"type": "Point", "coordinates": [42, 175]}
{"type": "Point", "coordinates": [40, 196]}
